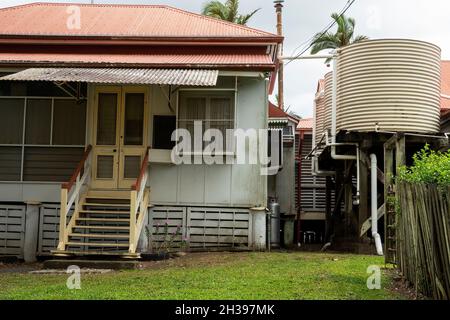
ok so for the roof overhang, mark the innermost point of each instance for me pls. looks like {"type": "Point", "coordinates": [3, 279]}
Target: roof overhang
{"type": "Point", "coordinates": [181, 77]}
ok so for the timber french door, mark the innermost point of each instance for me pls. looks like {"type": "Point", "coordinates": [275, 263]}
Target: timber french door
{"type": "Point", "coordinates": [119, 135]}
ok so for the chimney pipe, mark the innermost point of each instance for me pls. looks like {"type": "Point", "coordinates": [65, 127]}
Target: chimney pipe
{"type": "Point", "coordinates": [279, 11]}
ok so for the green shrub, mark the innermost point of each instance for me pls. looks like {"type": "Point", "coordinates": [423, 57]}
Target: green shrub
{"type": "Point", "coordinates": [429, 167]}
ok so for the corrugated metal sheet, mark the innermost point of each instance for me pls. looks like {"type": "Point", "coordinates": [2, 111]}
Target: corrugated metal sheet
{"type": "Point", "coordinates": [305, 124]}
{"type": "Point", "coordinates": [328, 89]}
{"type": "Point", "coordinates": [207, 58]}
{"type": "Point", "coordinates": [445, 85]}
{"type": "Point", "coordinates": [119, 76]}
{"type": "Point", "coordinates": [392, 85]}
{"type": "Point", "coordinates": [117, 21]}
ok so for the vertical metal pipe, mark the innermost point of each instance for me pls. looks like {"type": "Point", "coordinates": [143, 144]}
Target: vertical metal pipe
{"type": "Point", "coordinates": [279, 11]}
{"type": "Point", "coordinates": [374, 204]}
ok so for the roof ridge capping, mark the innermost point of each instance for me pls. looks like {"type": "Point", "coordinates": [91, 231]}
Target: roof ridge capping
{"type": "Point", "coordinates": [162, 6]}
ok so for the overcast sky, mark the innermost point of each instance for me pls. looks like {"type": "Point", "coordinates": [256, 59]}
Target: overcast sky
{"type": "Point", "coordinates": [416, 19]}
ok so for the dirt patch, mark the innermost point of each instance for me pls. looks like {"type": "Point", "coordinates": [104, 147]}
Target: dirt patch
{"type": "Point", "coordinates": [401, 286]}
{"type": "Point", "coordinates": [200, 259]}
{"type": "Point", "coordinates": [19, 267]}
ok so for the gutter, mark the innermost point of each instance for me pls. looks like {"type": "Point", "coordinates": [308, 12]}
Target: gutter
{"type": "Point", "coordinates": [108, 40]}
{"type": "Point", "coordinates": [52, 64]}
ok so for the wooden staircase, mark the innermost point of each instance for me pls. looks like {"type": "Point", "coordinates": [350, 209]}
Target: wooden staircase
{"type": "Point", "coordinates": [102, 223]}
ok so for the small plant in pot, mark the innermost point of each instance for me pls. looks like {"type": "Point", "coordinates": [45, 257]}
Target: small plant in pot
{"type": "Point", "coordinates": [161, 250]}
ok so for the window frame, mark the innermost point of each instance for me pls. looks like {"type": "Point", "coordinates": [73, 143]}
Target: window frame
{"type": "Point", "coordinates": [210, 93]}
{"type": "Point", "coordinates": [23, 145]}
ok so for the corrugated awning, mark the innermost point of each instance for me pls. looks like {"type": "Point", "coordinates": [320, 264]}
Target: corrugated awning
{"type": "Point", "coordinates": [182, 77]}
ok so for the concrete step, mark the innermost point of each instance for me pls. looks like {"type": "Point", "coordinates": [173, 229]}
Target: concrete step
{"type": "Point", "coordinates": [93, 264]}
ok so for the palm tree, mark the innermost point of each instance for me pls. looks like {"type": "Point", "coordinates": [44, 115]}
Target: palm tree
{"type": "Point", "coordinates": [228, 11]}
{"type": "Point", "coordinates": [344, 36]}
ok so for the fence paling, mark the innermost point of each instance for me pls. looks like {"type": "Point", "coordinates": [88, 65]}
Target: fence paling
{"type": "Point", "coordinates": [423, 242]}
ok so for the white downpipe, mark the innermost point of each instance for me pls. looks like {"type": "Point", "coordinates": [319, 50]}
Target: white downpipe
{"type": "Point", "coordinates": [314, 133]}
{"type": "Point", "coordinates": [319, 173]}
{"type": "Point", "coordinates": [374, 209]}
{"type": "Point", "coordinates": [333, 143]}
{"type": "Point", "coordinates": [334, 101]}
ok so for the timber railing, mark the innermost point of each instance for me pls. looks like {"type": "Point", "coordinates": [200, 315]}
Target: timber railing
{"type": "Point", "coordinates": [139, 201]}
{"type": "Point", "coordinates": [423, 237]}
{"type": "Point", "coordinates": [70, 196]}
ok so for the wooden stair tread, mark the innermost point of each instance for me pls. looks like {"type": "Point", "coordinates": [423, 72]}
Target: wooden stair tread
{"type": "Point", "coordinates": [101, 227]}
{"type": "Point", "coordinates": [104, 219]}
{"type": "Point", "coordinates": [105, 211]}
{"type": "Point", "coordinates": [111, 196]}
{"type": "Point", "coordinates": [97, 204]}
{"type": "Point", "coordinates": [94, 244]}
{"type": "Point", "coordinates": [98, 235]}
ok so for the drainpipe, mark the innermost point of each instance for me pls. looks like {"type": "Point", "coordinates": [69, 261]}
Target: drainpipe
{"type": "Point", "coordinates": [316, 172]}
{"type": "Point", "coordinates": [333, 143]}
{"type": "Point", "coordinates": [279, 12]}
{"type": "Point", "coordinates": [374, 204]}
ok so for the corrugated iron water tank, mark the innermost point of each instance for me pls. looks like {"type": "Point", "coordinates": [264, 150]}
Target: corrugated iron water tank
{"type": "Point", "coordinates": [328, 100]}
{"type": "Point", "coordinates": [319, 118]}
{"type": "Point", "coordinates": [323, 108]}
{"type": "Point", "coordinates": [392, 85]}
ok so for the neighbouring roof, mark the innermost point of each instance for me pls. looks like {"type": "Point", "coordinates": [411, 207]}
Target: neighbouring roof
{"type": "Point", "coordinates": [119, 76]}
{"type": "Point", "coordinates": [305, 124]}
{"type": "Point", "coordinates": [275, 112]}
{"type": "Point", "coordinates": [276, 115]}
{"type": "Point", "coordinates": [118, 20]}
{"type": "Point", "coordinates": [445, 85]}
{"type": "Point", "coordinates": [320, 85]}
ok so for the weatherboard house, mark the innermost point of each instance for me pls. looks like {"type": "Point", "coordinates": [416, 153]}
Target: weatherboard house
{"type": "Point", "coordinates": [89, 98]}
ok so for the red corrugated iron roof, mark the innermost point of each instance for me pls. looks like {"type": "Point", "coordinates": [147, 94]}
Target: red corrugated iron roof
{"type": "Point", "coordinates": [121, 20]}
{"type": "Point", "coordinates": [275, 112]}
{"type": "Point", "coordinates": [305, 124]}
{"type": "Point", "coordinates": [192, 57]}
{"type": "Point", "coordinates": [445, 85]}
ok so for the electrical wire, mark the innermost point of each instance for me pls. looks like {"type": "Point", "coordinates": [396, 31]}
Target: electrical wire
{"type": "Point", "coordinates": [324, 31]}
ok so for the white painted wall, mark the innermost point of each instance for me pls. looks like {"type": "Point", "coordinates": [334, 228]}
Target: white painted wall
{"type": "Point", "coordinates": [217, 185]}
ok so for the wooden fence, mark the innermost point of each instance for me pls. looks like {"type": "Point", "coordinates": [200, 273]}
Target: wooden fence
{"type": "Point", "coordinates": [423, 238]}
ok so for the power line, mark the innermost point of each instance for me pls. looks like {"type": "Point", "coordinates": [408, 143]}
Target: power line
{"type": "Point", "coordinates": [324, 31]}
{"type": "Point", "coordinates": [327, 28]}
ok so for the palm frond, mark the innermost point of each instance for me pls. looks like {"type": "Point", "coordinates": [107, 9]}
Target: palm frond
{"type": "Point", "coordinates": [228, 11]}
{"type": "Point", "coordinates": [344, 35]}
{"type": "Point", "coordinates": [243, 19]}
{"type": "Point", "coordinates": [233, 10]}
{"type": "Point", "coordinates": [215, 9]}
{"type": "Point", "coordinates": [324, 41]}
{"type": "Point", "coordinates": [360, 38]}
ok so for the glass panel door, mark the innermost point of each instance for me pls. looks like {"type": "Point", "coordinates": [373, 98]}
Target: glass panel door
{"type": "Point", "coordinates": [134, 134]}
{"type": "Point", "coordinates": [120, 140]}
{"type": "Point", "coordinates": [106, 141]}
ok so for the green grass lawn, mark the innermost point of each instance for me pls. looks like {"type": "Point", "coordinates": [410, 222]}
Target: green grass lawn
{"type": "Point", "coordinates": [216, 276]}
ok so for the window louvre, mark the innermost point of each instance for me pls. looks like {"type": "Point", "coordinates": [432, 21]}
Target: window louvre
{"type": "Point", "coordinates": [215, 110]}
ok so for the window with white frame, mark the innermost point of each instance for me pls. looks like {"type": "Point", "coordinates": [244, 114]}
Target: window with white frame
{"type": "Point", "coordinates": [41, 138]}
{"type": "Point", "coordinates": [215, 110]}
